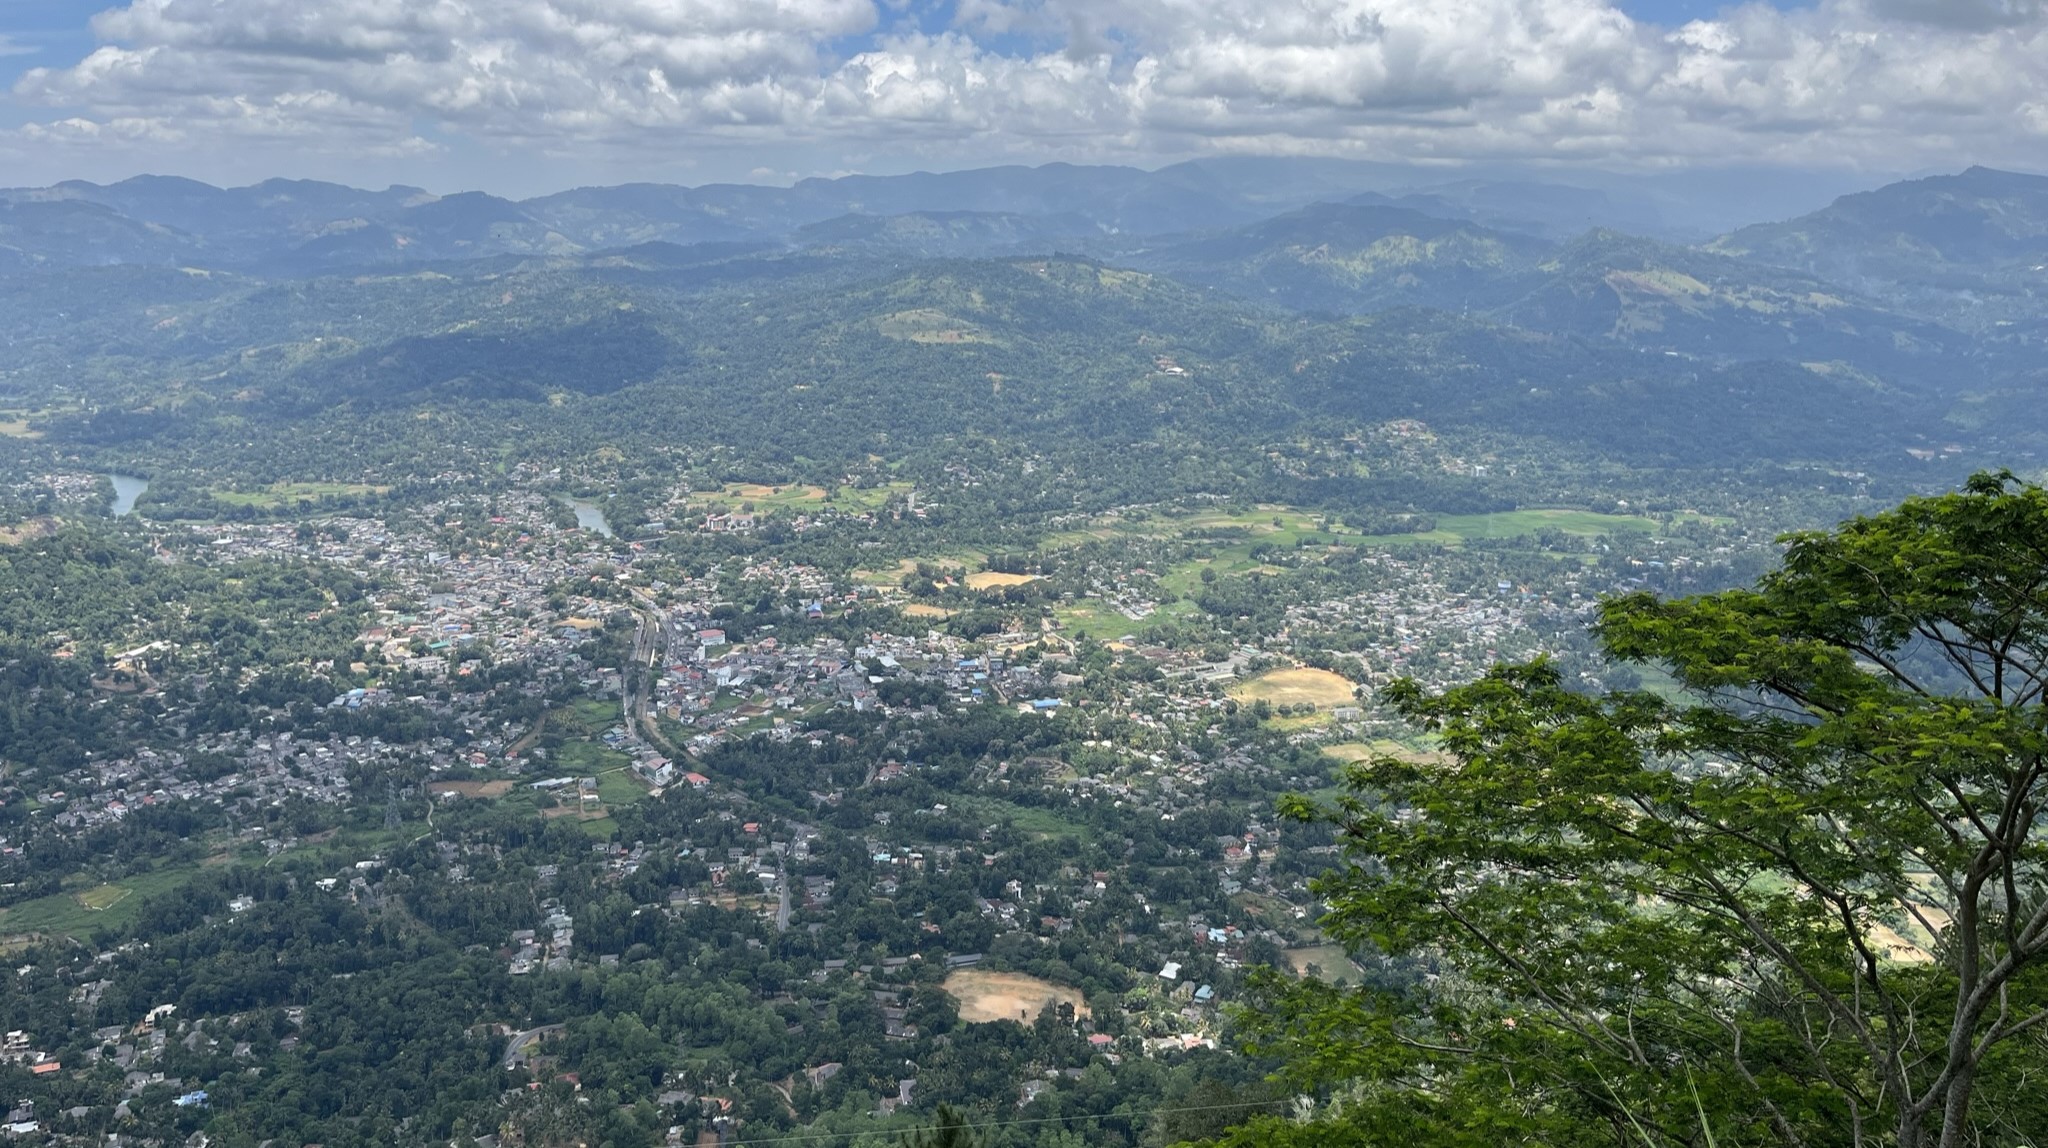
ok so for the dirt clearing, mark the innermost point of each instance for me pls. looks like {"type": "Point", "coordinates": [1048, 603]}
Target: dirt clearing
{"type": "Point", "coordinates": [986, 996]}
{"type": "Point", "coordinates": [497, 788]}
{"type": "Point", "coordinates": [988, 578]}
{"type": "Point", "coordinates": [1292, 687]}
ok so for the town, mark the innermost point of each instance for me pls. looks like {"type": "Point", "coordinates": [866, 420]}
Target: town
{"type": "Point", "coordinates": [1059, 814]}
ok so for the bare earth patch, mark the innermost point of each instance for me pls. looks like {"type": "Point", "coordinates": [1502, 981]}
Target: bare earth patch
{"type": "Point", "coordinates": [988, 996]}
{"type": "Point", "coordinates": [1292, 687]}
{"type": "Point", "coordinates": [498, 788]}
{"type": "Point", "coordinates": [1330, 960]}
{"type": "Point", "coordinates": [39, 527]}
{"type": "Point", "coordinates": [988, 578]}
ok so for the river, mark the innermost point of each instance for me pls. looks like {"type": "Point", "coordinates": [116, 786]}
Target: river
{"type": "Point", "coordinates": [589, 517]}
{"type": "Point", "coordinates": [127, 488]}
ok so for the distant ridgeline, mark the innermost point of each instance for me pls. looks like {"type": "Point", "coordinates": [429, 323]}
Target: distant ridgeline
{"type": "Point", "coordinates": [1106, 321]}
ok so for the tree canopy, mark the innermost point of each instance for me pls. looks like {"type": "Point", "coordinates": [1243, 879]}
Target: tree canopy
{"type": "Point", "coordinates": [1795, 898]}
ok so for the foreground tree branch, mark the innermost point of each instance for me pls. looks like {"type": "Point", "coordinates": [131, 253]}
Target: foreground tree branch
{"type": "Point", "coordinates": [1803, 900]}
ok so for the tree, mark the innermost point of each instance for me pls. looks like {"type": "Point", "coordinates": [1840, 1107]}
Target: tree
{"type": "Point", "coordinates": [1801, 901]}
{"type": "Point", "coordinates": [949, 1129]}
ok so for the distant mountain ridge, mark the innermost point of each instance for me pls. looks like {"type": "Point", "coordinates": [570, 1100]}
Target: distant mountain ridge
{"type": "Point", "coordinates": [1938, 286]}
{"type": "Point", "coordinates": [1971, 248]}
{"type": "Point", "coordinates": [308, 227]}
{"type": "Point", "coordinates": [1979, 218]}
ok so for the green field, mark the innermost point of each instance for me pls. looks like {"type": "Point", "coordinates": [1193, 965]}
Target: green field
{"type": "Point", "coordinates": [284, 493]}
{"type": "Point", "coordinates": [1185, 580]}
{"type": "Point", "coordinates": [1287, 525]}
{"type": "Point", "coordinates": [77, 914]}
{"type": "Point", "coordinates": [588, 758]}
{"type": "Point", "coordinates": [620, 787]}
{"type": "Point", "coordinates": [1030, 819]}
{"type": "Point", "coordinates": [1519, 523]}
{"type": "Point", "coordinates": [855, 499]}
{"type": "Point", "coordinates": [1098, 618]}
{"type": "Point", "coordinates": [764, 497]}
{"type": "Point", "coordinates": [104, 897]}
{"type": "Point", "coordinates": [588, 717]}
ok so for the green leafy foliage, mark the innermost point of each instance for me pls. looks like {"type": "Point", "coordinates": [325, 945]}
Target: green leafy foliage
{"type": "Point", "coordinates": [1813, 887]}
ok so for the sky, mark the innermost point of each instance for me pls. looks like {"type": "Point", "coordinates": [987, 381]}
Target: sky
{"type": "Point", "coordinates": [528, 96]}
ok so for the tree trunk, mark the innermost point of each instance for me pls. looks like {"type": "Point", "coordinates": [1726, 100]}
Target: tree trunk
{"type": "Point", "coordinates": [1955, 1114]}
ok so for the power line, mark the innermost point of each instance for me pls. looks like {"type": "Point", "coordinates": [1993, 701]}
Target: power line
{"type": "Point", "coordinates": [803, 1137]}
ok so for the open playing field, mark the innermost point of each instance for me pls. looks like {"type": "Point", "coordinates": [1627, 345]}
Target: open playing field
{"type": "Point", "coordinates": [1331, 962]}
{"type": "Point", "coordinates": [926, 610]}
{"type": "Point", "coordinates": [278, 494]}
{"type": "Point", "coordinates": [78, 913]}
{"type": "Point", "coordinates": [986, 996]}
{"type": "Point", "coordinates": [987, 578]}
{"type": "Point", "coordinates": [104, 897]}
{"type": "Point", "coordinates": [1029, 818]}
{"type": "Point", "coordinates": [1292, 687]}
{"type": "Point", "coordinates": [761, 495]}
{"type": "Point", "coordinates": [620, 787]}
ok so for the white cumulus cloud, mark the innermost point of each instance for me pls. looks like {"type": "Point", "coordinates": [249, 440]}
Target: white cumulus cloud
{"type": "Point", "coordinates": [622, 85]}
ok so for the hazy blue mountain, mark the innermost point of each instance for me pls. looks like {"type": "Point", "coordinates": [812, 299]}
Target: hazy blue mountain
{"type": "Point", "coordinates": [1969, 248]}
{"type": "Point", "coordinates": [278, 224]}
{"type": "Point", "coordinates": [1979, 219]}
{"type": "Point", "coordinates": [1352, 257]}
{"type": "Point", "coordinates": [1637, 293]}
{"type": "Point", "coordinates": [634, 213]}
{"type": "Point", "coordinates": [306, 226]}
{"type": "Point", "coordinates": [1661, 297]}
{"type": "Point", "coordinates": [245, 224]}
{"type": "Point", "coordinates": [62, 231]}
{"type": "Point", "coordinates": [1891, 320]}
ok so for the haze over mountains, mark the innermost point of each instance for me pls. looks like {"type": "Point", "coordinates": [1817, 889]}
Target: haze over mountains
{"type": "Point", "coordinates": [1891, 320]}
{"type": "Point", "coordinates": [306, 226]}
